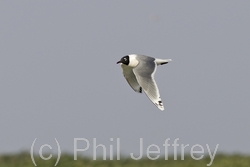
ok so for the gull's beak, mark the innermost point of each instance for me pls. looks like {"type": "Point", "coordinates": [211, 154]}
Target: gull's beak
{"type": "Point", "coordinates": [119, 62]}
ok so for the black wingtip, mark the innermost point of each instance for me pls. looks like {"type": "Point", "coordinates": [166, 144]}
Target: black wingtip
{"type": "Point", "coordinates": [164, 63]}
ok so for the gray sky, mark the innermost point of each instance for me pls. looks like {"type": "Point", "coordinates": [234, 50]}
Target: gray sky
{"type": "Point", "coordinates": [59, 77]}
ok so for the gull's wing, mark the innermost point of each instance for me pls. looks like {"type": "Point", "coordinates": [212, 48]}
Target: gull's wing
{"type": "Point", "coordinates": [144, 73]}
{"type": "Point", "coordinates": [131, 79]}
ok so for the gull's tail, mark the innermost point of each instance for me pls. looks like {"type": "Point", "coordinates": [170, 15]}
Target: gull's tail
{"type": "Point", "coordinates": [162, 61]}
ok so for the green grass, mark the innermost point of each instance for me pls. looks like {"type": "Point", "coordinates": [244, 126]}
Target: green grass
{"type": "Point", "coordinates": [24, 160]}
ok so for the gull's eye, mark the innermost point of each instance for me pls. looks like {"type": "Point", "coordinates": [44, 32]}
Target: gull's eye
{"type": "Point", "coordinates": [125, 59]}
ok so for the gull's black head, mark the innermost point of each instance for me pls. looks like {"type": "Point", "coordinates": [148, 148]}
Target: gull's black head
{"type": "Point", "coordinates": [124, 60]}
